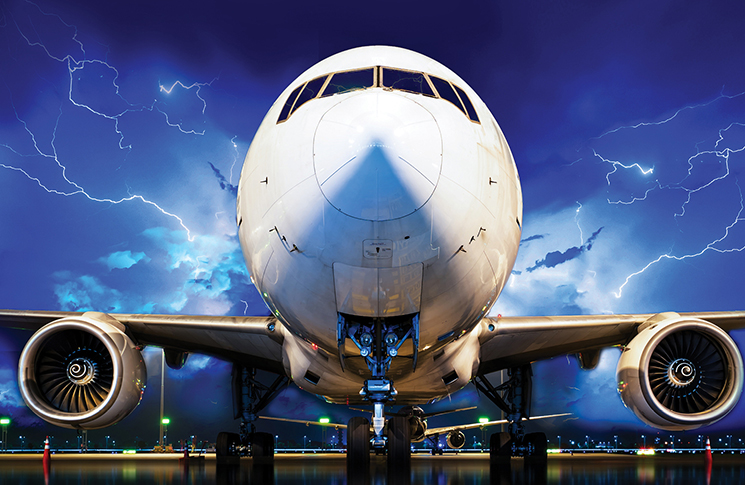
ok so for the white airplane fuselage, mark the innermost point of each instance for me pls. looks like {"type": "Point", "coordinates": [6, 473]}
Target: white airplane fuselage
{"type": "Point", "coordinates": [380, 203]}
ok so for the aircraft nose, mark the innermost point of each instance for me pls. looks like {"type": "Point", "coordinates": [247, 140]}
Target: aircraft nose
{"type": "Point", "coordinates": [377, 155]}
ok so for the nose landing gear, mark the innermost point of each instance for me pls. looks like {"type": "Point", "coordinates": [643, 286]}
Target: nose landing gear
{"type": "Point", "coordinates": [379, 341]}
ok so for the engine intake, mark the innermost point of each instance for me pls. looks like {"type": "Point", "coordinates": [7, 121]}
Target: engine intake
{"type": "Point", "coordinates": [680, 373]}
{"type": "Point", "coordinates": [456, 439]}
{"type": "Point", "coordinates": [82, 372]}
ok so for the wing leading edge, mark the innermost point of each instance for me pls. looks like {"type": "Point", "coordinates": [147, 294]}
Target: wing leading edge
{"type": "Point", "coordinates": [254, 341]}
{"type": "Point", "coordinates": [513, 341]}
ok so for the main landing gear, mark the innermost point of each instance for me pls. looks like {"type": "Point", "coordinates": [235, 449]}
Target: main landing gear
{"type": "Point", "coordinates": [249, 397]}
{"type": "Point", "coordinates": [513, 397]}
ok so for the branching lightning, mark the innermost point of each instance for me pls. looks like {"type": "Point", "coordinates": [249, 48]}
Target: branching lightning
{"type": "Point", "coordinates": [672, 117]}
{"type": "Point", "coordinates": [709, 247]}
{"type": "Point", "coordinates": [723, 154]}
{"type": "Point", "coordinates": [76, 63]}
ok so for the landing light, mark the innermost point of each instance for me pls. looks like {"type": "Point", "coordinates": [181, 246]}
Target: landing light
{"type": "Point", "coordinates": [366, 339]}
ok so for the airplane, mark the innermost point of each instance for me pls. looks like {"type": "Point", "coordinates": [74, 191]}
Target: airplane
{"type": "Point", "coordinates": [380, 212]}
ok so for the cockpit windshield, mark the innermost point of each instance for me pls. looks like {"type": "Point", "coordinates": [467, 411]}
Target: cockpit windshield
{"type": "Point", "coordinates": [343, 82]}
{"type": "Point", "coordinates": [413, 82]}
{"type": "Point", "coordinates": [384, 77]}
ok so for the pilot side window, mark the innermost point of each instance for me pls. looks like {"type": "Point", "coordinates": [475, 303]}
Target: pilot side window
{"type": "Point", "coordinates": [285, 113]}
{"type": "Point", "coordinates": [445, 90]}
{"type": "Point", "coordinates": [311, 91]}
{"type": "Point", "coordinates": [412, 82]}
{"type": "Point", "coordinates": [343, 82]}
{"type": "Point", "coordinates": [467, 103]}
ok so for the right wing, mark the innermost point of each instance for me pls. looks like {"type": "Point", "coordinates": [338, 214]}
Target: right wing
{"type": "Point", "coordinates": [253, 341]}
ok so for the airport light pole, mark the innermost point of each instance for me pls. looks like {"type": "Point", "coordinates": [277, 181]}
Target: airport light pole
{"type": "Point", "coordinates": [162, 394]}
{"type": "Point", "coordinates": [164, 423]}
{"type": "Point", "coordinates": [483, 420]}
{"type": "Point", "coordinates": [645, 441]}
{"type": "Point", "coordinates": [4, 422]}
{"type": "Point", "coordinates": [323, 431]}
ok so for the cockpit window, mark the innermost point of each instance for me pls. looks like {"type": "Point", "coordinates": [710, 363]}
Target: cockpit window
{"type": "Point", "coordinates": [311, 90]}
{"type": "Point", "coordinates": [413, 82]}
{"type": "Point", "coordinates": [378, 77]}
{"type": "Point", "coordinates": [467, 103]}
{"type": "Point", "coordinates": [343, 82]}
{"type": "Point", "coordinates": [285, 113]}
{"type": "Point", "coordinates": [445, 90]}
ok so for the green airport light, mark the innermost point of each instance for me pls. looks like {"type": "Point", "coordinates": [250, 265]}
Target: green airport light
{"type": "Point", "coordinates": [324, 420]}
{"type": "Point", "coordinates": [166, 421]}
{"type": "Point", "coordinates": [483, 420]}
{"type": "Point", "coordinates": [4, 421]}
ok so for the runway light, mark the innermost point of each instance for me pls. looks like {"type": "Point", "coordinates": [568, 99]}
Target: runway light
{"type": "Point", "coordinates": [483, 420]}
{"type": "Point", "coordinates": [129, 452]}
{"type": "Point", "coordinates": [324, 420]}
{"type": "Point", "coordinates": [166, 421]}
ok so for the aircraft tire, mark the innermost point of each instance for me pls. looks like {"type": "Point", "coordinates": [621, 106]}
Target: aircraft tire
{"type": "Point", "coordinates": [399, 442]}
{"type": "Point", "coordinates": [536, 448]}
{"type": "Point", "coordinates": [262, 447]}
{"type": "Point", "coordinates": [500, 448]}
{"type": "Point", "coordinates": [226, 444]}
{"type": "Point", "coordinates": [358, 442]}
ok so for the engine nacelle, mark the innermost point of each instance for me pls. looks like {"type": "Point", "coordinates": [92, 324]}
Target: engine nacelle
{"type": "Point", "coordinates": [680, 373]}
{"type": "Point", "coordinates": [82, 372]}
{"type": "Point", "coordinates": [456, 439]}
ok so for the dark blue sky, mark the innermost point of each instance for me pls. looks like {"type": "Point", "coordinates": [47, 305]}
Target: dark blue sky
{"type": "Point", "coordinates": [123, 127]}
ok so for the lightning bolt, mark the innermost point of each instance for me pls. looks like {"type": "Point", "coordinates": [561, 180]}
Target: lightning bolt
{"type": "Point", "coordinates": [674, 115]}
{"type": "Point", "coordinates": [235, 158]}
{"type": "Point", "coordinates": [723, 154]}
{"type": "Point", "coordinates": [76, 63]}
{"type": "Point", "coordinates": [576, 220]}
{"type": "Point", "coordinates": [198, 87]}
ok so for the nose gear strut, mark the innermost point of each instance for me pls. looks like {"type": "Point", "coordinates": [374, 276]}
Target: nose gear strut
{"type": "Point", "coordinates": [379, 341]}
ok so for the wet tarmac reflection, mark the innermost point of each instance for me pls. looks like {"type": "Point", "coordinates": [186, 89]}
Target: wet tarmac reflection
{"type": "Point", "coordinates": [424, 470]}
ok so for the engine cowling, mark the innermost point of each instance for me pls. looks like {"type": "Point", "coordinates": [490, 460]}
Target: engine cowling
{"type": "Point", "coordinates": [680, 373]}
{"type": "Point", "coordinates": [82, 372]}
{"type": "Point", "coordinates": [456, 439]}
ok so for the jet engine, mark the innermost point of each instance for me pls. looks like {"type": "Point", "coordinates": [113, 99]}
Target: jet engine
{"type": "Point", "coordinates": [417, 423]}
{"type": "Point", "coordinates": [82, 372]}
{"type": "Point", "coordinates": [680, 373]}
{"type": "Point", "coordinates": [456, 439]}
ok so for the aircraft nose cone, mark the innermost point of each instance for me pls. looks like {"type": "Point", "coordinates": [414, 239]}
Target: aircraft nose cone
{"type": "Point", "coordinates": [377, 155]}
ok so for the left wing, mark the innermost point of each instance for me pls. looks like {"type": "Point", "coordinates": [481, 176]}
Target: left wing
{"type": "Point", "coordinates": [513, 341]}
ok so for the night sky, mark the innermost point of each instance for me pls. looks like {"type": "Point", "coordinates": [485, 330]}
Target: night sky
{"type": "Point", "coordinates": [123, 127]}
